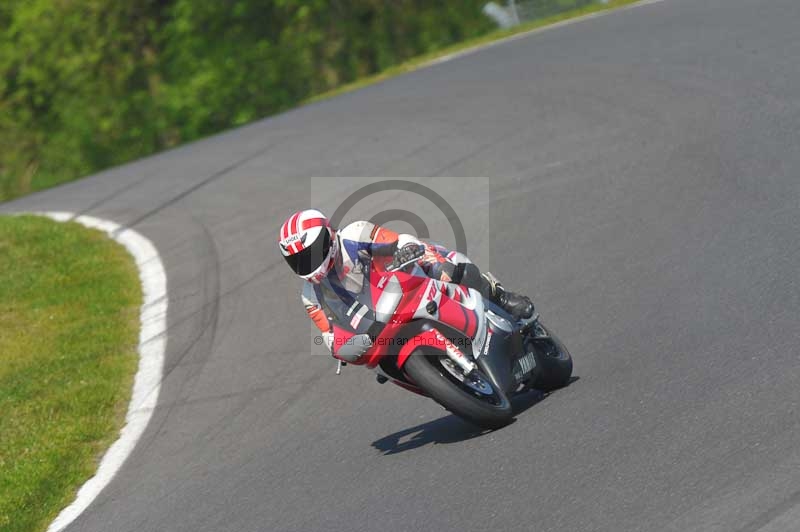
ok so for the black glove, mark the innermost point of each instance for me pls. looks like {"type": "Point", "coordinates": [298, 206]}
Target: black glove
{"type": "Point", "coordinates": [406, 255]}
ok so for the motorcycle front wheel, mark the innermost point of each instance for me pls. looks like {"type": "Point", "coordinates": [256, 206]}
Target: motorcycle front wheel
{"type": "Point", "coordinates": [474, 398]}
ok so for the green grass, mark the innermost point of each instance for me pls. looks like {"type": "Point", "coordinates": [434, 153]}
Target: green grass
{"type": "Point", "coordinates": [69, 320]}
{"type": "Point", "coordinates": [423, 60]}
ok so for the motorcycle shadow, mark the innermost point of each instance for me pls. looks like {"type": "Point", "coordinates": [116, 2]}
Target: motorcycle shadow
{"type": "Point", "coordinates": [447, 429]}
{"type": "Point", "coordinates": [450, 429]}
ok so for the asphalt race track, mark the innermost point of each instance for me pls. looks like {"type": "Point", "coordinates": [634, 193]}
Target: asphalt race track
{"type": "Point", "coordinates": [645, 190]}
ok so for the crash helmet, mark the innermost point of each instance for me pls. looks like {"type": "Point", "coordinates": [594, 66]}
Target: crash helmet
{"type": "Point", "coordinates": [308, 244]}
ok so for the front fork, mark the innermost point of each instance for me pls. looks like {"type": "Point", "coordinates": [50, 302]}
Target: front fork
{"type": "Point", "coordinates": [458, 357]}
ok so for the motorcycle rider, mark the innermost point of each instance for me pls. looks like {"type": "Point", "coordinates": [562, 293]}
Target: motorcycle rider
{"type": "Point", "coordinates": [335, 264]}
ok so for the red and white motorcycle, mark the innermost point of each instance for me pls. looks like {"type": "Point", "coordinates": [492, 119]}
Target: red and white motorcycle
{"type": "Point", "coordinates": [446, 342]}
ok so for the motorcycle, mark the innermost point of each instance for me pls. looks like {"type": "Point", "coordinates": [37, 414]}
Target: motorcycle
{"type": "Point", "coordinates": [446, 342]}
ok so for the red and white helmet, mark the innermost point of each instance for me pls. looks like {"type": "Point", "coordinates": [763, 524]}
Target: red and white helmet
{"type": "Point", "coordinates": [308, 243]}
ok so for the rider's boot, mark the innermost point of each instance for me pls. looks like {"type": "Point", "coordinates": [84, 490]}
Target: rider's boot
{"type": "Point", "coordinates": [518, 305]}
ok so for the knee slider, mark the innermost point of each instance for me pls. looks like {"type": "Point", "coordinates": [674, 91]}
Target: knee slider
{"type": "Point", "coordinates": [470, 276]}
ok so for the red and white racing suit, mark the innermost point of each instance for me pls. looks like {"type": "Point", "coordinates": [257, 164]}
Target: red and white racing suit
{"type": "Point", "coordinates": [336, 294]}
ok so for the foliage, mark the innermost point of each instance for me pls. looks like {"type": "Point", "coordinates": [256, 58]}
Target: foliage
{"type": "Point", "coordinates": [87, 84]}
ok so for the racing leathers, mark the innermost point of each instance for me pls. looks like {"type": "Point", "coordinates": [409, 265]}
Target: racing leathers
{"type": "Point", "coordinates": [336, 295]}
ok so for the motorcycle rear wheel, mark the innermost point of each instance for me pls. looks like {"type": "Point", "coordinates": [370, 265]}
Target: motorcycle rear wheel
{"type": "Point", "coordinates": [554, 361]}
{"type": "Point", "coordinates": [490, 411]}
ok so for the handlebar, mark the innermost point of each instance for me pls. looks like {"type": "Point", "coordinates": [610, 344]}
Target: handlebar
{"type": "Point", "coordinates": [405, 256]}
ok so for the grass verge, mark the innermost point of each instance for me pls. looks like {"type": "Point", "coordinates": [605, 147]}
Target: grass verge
{"type": "Point", "coordinates": [69, 321]}
{"type": "Point", "coordinates": [424, 60]}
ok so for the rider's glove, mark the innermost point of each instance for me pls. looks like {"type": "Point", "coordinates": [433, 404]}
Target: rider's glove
{"type": "Point", "coordinates": [327, 339]}
{"type": "Point", "coordinates": [406, 255]}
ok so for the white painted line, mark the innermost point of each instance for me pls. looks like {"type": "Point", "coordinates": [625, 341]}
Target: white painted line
{"type": "Point", "coordinates": [541, 29]}
{"type": "Point", "coordinates": [152, 342]}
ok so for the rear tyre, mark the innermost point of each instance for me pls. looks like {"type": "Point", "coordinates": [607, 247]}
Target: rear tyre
{"type": "Point", "coordinates": [477, 401]}
{"type": "Point", "coordinates": [553, 361]}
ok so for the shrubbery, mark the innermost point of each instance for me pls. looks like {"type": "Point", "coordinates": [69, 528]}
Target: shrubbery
{"type": "Point", "coordinates": [87, 84]}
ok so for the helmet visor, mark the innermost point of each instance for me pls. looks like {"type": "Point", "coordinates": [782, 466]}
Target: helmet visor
{"type": "Point", "coordinates": [311, 257]}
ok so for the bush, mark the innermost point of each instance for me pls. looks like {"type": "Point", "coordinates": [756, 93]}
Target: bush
{"type": "Point", "coordinates": [88, 84]}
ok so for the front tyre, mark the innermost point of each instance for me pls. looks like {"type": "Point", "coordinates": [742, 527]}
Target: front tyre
{"type": "Point", "coordinates": [474, 397]}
